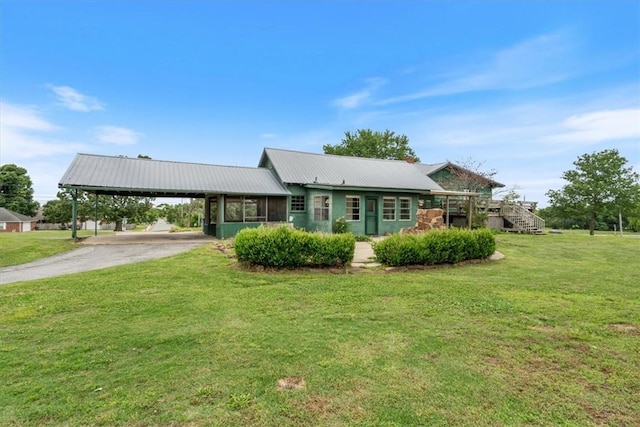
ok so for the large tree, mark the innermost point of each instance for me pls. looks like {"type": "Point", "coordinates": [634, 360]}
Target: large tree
{"type": "Point", "coordinates": [373, 144]}
{"type": "Point", "coordinates": [600, 184]}
{"type": "Point", "coordinates": [16, 190]}
{"type": "Point", "coordinates": [117, 208]}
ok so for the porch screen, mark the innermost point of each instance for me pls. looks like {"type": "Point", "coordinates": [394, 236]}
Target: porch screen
{"type": "Point", "coordinates": [255, 209]}
{"type": "Point", "coordinates": [277, 209]}
{"type": "Point", "coordinates": [233, 211]}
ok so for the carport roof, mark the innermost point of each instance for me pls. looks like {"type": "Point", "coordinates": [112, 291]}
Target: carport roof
{"type": "Point", "coordinates": [120, 175]}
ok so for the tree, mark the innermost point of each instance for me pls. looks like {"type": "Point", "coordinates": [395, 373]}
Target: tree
{"type": "Point", "coordinates": [599, 185]}
{"type": "Point", "coordinates": [376, 145]}
{"type": "Point", "coordinates": [16, 190]}
{"type": "Point", "coordinates": [117, 208]}
{"type": "Point", "coordinates": [58, 211]}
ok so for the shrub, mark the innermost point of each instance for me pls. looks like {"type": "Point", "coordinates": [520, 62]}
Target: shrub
{"type": "Point", "coordinates": [284, 247]}
{"type": "Point", "coordinates": [435, 247]}
{"type": "Point", "coordinates": [340, 225]}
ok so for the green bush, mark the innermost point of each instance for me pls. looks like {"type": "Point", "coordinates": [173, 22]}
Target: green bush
{"type": "Point", "coordinates": [340, 225]}
{"type": "Point", "coordinates": [435, 247]}
{"type": "Point", "coordinates": [284, 247]}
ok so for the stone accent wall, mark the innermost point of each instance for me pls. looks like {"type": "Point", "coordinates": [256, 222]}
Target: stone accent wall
{"type": "Point", "coordinates": [427, 219]}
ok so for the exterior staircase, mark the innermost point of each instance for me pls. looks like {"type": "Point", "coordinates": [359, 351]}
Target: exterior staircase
{"type": "Point", "coordinates": [522, 220]}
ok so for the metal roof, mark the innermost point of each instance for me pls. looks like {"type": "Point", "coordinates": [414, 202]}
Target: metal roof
{"type": "Point", "coordinates": [10, 216]}
{"type": "Point", "coordinates": [429, 169]}
{"type": "Point", "coordinates": [296, 167]}
{"type": "Point", "coordinates": [133, 176]}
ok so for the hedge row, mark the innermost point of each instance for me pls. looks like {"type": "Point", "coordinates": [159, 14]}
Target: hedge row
{"type": "Point", "coordinates": [435, 247]}
{"type": "Point", "coordinates": [285, 247]}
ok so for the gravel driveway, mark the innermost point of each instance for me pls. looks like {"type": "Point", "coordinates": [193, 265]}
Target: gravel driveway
{"type": "Point", "coordinates": [102, 252]}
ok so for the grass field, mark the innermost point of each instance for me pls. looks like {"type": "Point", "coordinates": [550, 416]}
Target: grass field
{"type": "Point", "coordinates": [548, 336]}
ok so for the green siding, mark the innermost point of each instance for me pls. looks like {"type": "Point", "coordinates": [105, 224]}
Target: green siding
{"type": "Point", "coordinates": [230, 229]}
{"type": "Point", "coordinates": [444, 178]}
{"type": "Point", "coordinates": [337, 208]}
{"type": "Point", "coordinates": [300, 219]}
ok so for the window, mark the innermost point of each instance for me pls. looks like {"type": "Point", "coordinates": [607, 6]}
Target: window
{"type": "Point", "coordinates": [389, 208]}
{"type": "Point", "coordinates": [353, 208]}
{"type": "Point", "coordinates": [3, 226]}
{"type": "Point", "coordinates": [297, 204]}
{"type": "Point", "coordinates": [405, 209]}
{"type": "Point", "coordinates": [321, 208]}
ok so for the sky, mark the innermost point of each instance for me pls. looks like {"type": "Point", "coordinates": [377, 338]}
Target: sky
{"type": "Point", "coordinates": [519, 87]}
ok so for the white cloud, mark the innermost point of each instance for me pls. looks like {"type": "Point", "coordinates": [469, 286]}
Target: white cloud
{"type": "Point", "coordinates": [32, 142]}
{"type": "Point", "coordinates": [361, 97]}
{"type": "Point", "coordinates": [536, 62]}
{"type": "Point", "coordinates": [268, 135]}
{"type": "Point", "coordinates": [26, 134]}
{"type": "Point", "coordinates": [117, 135]}
{"type": "Point", "coordinates": [74, 100]}
{"type": "Point", "coordinates": [599, 126]}
{"type": "Point", "coordinates": [21, 117]}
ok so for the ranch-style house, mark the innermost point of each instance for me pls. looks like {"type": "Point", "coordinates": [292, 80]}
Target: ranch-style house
{"type": "Point", "coordinates": [308, 190]}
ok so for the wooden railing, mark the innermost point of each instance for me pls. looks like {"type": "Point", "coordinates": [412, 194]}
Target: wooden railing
{"type": "Point", "coordinates": [522, 219]}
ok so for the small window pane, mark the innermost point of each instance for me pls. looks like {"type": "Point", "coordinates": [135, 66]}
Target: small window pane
{"type": "Point", "coordinates": [297, 204]}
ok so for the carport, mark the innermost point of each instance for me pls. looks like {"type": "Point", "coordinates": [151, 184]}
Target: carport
{"type": "Point", "coordinates": [235, 197]}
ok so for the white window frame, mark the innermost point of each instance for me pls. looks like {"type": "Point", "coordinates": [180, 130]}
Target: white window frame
{"type": "Point", "coordinates": [409, 209]}
{"type": "Point", "coordinates": [385, 208]}
{"type": "Point", "coordinates": [321, 203]}
{"type": "Point", "coordinates": [356, 210]}
{"type": "Point", "coordinates": [3, 226]}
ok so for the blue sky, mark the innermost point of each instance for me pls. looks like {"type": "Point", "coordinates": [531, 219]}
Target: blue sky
{"type": "Point", "coordinates": [523, 86]}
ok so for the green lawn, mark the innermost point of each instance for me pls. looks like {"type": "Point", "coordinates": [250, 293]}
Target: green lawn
{"type": "Point", "coordinates": [19, 248]}
{"type": "Point", "coordinates": [548, 336]}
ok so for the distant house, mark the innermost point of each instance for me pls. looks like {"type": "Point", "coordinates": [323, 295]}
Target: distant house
{"type": "Point", "coordinates": [307, 190]}
{"type": "Point", "coordinates": [15, 222]}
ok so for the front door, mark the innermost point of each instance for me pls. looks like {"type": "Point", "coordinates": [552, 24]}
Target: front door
{"type": "Point", "coordinates": [371, 216]}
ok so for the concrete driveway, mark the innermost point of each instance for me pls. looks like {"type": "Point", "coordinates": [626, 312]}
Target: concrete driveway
{"type": "Point", "coordinates": [106, 251]}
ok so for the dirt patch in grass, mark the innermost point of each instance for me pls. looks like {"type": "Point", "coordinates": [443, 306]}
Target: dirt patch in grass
{"type": "Point", "coordinates": [291, 383]}
{"type": "Point", "coordinates": [626, 328]}
{"type": "Point", "coordinates": [318, 405]}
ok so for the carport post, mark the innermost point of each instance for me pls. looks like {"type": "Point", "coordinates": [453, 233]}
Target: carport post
{"type": "Point", "coordinates": [74, 215]}
{"type": "Point", "coordinates": [95, 218]}
{"type": "Point", "coordinates": [447, 199]}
